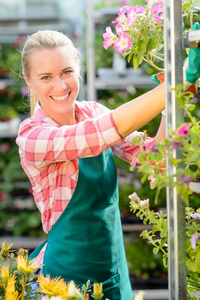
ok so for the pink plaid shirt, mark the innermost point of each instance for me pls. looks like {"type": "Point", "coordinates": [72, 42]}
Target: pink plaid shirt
{"type": "Point", "coordinates": [49, 153]}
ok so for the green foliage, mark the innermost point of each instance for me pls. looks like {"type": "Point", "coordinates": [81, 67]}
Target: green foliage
{"type": "Point", "coordinates": [142, 261]}
{"type": "Point", "coordinates": [158, 237]}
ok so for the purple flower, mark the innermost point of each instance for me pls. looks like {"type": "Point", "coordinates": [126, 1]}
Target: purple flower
{"type": "Point", "coordinates": [195, 237]}
{"type": "Point", "coordinates": [185, 179]}
{"type": "Point", "coordinates": [184, 129]}
{"type": "Point", "coordinates": [24, 91]}
{"type": "Point", "coordinates": [175, 144]}
{"type": "Point", "coordinates": [137, 184]}
{"type": "Point", "coordinates": [198, 112]}
{"type": "Point", "coordinates": [195, 216]}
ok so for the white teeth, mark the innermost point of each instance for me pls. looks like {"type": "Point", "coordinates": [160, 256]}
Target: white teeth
{"type": "Point", "coordinates": [60, 98]}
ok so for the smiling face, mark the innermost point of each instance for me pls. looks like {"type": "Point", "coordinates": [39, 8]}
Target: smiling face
{"type": "Point", "coordinates": [54, 76]}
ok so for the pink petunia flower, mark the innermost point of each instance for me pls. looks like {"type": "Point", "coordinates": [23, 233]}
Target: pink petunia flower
{"type": "Point", "coordinates": [183, 130]}
{"type": "Point", "coordinates": [119, 28]}
{"type": "Point", "coordinates": [123, 43]}
{"type": "Point", "coordinates": [109, 38]}
{"type": "Point", "coordinates": [121, 18]}
{"type": "Point", "coordinates": [152, 181]}
{"type": "Point", "coordinates": [131, 16]}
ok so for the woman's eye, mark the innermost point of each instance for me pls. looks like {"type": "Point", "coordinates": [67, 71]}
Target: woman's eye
{"type": "Point", "coordinates": [45, 77]}
{"type": "Point", "coordinates": [67, 72]}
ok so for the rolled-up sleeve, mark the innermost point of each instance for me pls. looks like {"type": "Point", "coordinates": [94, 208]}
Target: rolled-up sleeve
{"type": "Point", "coordinates": [41, 143]}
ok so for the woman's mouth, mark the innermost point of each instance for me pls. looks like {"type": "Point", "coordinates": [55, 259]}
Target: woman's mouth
{"type": "Point", "coordinates": [61, 98]}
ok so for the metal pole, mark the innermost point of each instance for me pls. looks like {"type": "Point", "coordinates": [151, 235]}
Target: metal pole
{"type": "Point", "coordinates": [173, 38]}
{"type": "Point", "coordinates": [91, 93]}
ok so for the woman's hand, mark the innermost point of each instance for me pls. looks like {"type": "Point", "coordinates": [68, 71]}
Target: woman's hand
{"type": "Point", "coordinates": [192, 68]}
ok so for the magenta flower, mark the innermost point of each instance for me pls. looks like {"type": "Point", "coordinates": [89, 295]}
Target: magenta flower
{"type": "Point", "coordinates": [151, 146]}
{"type": "Point", "coordinates": [175, 144]}
{"type": "Point", "coordinates": [123, 43]}
{"type": "Point", "coordinates": [195, 237]}
{"type": "Point", "coordinates": [2, 196]}
{"type": "Point", "coordinates": [5, 147]}
{"type": "Point", "coordinates": [158, 12]}
{"type": "Point", "coordinates": [109, 38]}
{"type": "Point", "coordinates": [183, 130]}
{"type": "Point", "coordinates": [185, 179]}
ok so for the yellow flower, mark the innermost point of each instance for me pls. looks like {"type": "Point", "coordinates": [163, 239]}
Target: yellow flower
{"type": "Point", "coordinates": [4, 274]}
{"type": "Point", "coordinates": [198, 210]}
{"type": "Point", "coordinates": [5, 251]}
{"type": "Point", "coordinates": [97, 289]}
{"type": "Point", "coordinates": [25, 266]}
{"type": "Point", "coordinates": [10, 292]}
{"type": "Point", "coordinates": [53, 287]}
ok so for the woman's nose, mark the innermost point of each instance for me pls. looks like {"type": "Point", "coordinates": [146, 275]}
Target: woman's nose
{"type": "Point", "coordinates": [60, 84]}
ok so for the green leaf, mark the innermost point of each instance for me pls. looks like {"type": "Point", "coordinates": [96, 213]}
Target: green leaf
{"type": "Point", "coordinates": [135, 62]}
{"type": "Point", "coordinates": [155, 250]}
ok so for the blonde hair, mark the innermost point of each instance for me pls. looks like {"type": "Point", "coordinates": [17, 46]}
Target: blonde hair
{"type": "Point", "coordinates": [47, 39]}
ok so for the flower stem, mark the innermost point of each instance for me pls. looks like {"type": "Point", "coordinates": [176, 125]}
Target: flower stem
{"type": "Point", "coordinates": [24, 280]}
{"type": "Point", "coordinates": [153, 65]}
{"type": "Point", "coordinates": [157, 56]}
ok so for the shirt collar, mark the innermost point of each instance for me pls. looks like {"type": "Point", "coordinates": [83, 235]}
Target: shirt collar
{"type": "Point", "coordinates": [40, 114]}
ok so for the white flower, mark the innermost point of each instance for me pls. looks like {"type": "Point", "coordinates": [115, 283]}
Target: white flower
{"type": "Point", "coordinates": [195, 237]}
{"type": "Point", "coordinates": [139, 296]}
{"type": "Point", "coordinates": [134, 197]}
{"type": "Point", "coordinates": [195, 216]}
{"type": "Point", "coordinates": [72, 290]}
{"type": "Point", "coordinates": [145, 203]}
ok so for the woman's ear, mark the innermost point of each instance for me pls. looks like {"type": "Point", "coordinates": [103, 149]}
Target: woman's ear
{"type": "Point", "coordinates": [28, 82]}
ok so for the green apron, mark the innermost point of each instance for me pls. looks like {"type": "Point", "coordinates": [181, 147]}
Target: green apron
{"type": "Point", "coordinates": [86, 242]}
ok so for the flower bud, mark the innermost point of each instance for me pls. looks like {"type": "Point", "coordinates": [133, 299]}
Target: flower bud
{"type": "Point", "coordinates": [97, 289]}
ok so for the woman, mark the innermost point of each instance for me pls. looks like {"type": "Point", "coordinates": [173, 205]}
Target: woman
{"type": "Point", "coordinates": [66, 150]}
